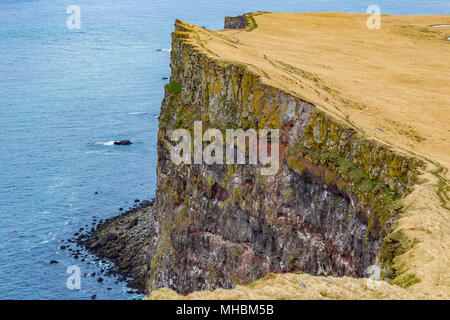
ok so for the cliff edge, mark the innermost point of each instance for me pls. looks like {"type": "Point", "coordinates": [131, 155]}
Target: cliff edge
{"type": "Point", "coordinates": [363, 177]}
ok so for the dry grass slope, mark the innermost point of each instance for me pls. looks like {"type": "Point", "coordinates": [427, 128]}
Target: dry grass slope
{"type": "Point", "coordinates": [296, 287]}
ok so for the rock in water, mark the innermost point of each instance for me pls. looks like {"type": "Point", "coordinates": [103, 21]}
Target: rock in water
{"type": "Point", "coordinates": [122, 142]}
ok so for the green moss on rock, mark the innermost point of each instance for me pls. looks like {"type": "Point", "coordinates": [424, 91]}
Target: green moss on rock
{"type": "Point", "coordinates": [174, 87]}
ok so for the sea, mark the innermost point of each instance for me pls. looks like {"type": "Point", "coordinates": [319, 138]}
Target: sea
{"type": "Point", "coordinates": [66, 94]}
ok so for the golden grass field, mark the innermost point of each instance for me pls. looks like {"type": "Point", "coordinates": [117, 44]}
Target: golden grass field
{"type": "Point", "coordinates": [392, 85]}
{"type": "Point", "coordinates": [291, 286]}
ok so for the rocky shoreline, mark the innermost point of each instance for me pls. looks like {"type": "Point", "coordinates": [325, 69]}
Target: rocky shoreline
{"type": "Point", "coordinates": [122, 240]}
{"type": "Point", "coordinates": [334, 208]}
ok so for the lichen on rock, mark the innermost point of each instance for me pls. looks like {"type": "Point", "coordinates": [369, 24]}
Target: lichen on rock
{"type": "Point", "coordinates": [331, 210]}
{"type": "Point", "coordinates": [325, 212]}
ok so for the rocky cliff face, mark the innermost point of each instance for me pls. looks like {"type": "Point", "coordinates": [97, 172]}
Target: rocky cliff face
{"type": "Point", "coordinates": [326, 211]}
{"type": "Point", "coordinates": [238, 22]}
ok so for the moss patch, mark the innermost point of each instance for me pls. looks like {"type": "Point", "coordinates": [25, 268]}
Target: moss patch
{"type": "Point", "coordinates": [394, 245]}
{"type": "Point", "coordinates": [174, 87]}
{"type": "Point", "coordinates": [406, 280]}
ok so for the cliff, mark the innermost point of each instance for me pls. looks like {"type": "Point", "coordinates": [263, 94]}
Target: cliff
{"type": "Point", "coordinates": [361, 181]}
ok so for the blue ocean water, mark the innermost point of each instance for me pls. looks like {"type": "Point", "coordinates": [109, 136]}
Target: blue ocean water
{"type": "Point", "coordinates": [65, 94]}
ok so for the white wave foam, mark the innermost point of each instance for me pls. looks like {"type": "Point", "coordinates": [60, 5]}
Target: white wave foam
{"type": "Point", "coordinates": [137, 113]}
{"type": "Point", "coordinates": [100, 143]}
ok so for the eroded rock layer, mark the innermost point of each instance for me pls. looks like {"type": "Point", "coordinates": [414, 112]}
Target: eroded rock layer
{"type": "Point", "coordinates": [326, 211]}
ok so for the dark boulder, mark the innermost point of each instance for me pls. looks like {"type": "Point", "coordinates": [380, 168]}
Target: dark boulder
{"type": "Point", "coordinates": [122, 142]}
